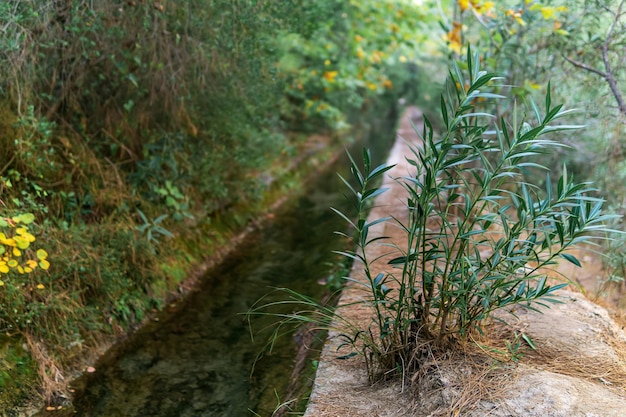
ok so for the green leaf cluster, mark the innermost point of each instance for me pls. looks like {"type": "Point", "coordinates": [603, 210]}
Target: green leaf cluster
{"type": "Point", "coordinates": [479, 236]}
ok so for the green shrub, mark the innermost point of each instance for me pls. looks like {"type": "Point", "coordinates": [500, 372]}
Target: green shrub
{"type": "Point", "coordinates": [479, 237]}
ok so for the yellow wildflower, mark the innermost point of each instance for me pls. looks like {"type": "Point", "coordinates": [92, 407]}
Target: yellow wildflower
{"type": "Point", "coordinates": [557, 28]}
{"type": "Point", "coordinates": [547, 12]}
{"type": "Point", "coordinates": [43, 264]}
{"type": "Point", "coordinates": [533, 85]}
{"type": "Point", "coordinates": [517, 15]}
{"type": "Point", "coordinates": [24, 234]}
{"type": "Point", "coordinates": [479, 8]}
{"type": "Point", "coordinates": [40, 286]}
{"type": "Point", "coordinates": [388, 84]}
{"type": "Point", "coordinates": [327, 62]}
{"type": "Point", "coordinates": [5, 241]}
{"type": "Point", "coordinates": [330, 76]}
{"type": "Point", "coordinates": [21, 242]}
{"type": "Point", "coordinates": [454, 37]}
{"type": "Point", "coordinates": [485, 8]}
{"type": "Point", "coordinates": [4, 269]}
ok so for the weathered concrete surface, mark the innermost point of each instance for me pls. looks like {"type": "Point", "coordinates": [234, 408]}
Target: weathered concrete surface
{"type": "Point", "coordinates": [579, 370]}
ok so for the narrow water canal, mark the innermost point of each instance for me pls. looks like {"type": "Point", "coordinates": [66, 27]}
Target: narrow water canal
{"type": "Point", "coordinates": [198, 362]}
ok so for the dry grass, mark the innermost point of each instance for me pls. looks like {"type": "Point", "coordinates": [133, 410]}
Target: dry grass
{"type": "Point", "coordinates": [458, 379]}
{"type": "Point", "coordinates": [569, 360]}
{"type": "Point", "coordinates": [565, 360]}
{"type": "Point", "coordinates": [53, 383]}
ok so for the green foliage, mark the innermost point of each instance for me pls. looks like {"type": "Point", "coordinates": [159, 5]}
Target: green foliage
{"type": "Point", "coordinates": [576, 45]}
{"type": "Point", "coordinates": [16, 373]}
{"type": "Point", "coordinates": [151, 230]}
{"type": "Point", "coordinates": [18, 260]}
{"type": "Point", "coordinates": [479, 237]}
{"type": "Point", "coordinates": [108, 95]}
{"type": "Point", "coordinates": [73, 296]}
{"type": "Point", "coordinates": [128, 122]}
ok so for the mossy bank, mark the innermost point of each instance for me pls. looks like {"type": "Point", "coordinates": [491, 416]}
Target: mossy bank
{"type": "Point", "coordinates": [140, 138]}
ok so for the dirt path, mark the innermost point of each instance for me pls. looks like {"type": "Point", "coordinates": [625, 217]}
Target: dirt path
{"type": "Point", "coordinates": [579, 370]}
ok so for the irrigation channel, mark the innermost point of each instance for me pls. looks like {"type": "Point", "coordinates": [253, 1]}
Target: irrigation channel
{"type": "Point", "coordinates": [199, 361]}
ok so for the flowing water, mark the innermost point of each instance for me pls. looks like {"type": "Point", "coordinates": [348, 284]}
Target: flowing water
{"type": "Point", "coordinates": [200, 360]}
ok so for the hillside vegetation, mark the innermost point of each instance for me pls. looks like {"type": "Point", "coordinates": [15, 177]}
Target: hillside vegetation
{"type": "Point", "coordinates": [139, 136]}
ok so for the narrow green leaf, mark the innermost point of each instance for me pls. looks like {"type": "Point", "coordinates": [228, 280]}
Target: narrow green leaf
{"type": "Point", "coordinates": [373, 193]}
{"type": "Point", "coordinates": [529, 341]}
{"type": "Point", "coordinates": [572, 259]}
{"type": "Point", "coordinates": [347, 184]}
{"type": "Point", "coordinates": [484, 79]}
{"type": "Point", "coordinates": [367, 158]}
{"type": "Point", "coordinates": [379, 170]}
{"type": "Point", "coordinates": [444, 112]}
{"type": "Point", "coordinates": [348, 356]}
{"type": "Point", "coordinates": [343, 216]}
{"type": "Point", "coordinates": [353, 256]}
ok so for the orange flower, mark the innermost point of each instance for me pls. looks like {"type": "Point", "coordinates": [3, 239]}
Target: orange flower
{"type": "Point", "coordinates": [330, 76]}
{"type": "Point", "coordinates": [517, 15]}
{"type": "Point", "coordinates": [485, 8]}
{"type": "Point", "coordinates": [454, 37]}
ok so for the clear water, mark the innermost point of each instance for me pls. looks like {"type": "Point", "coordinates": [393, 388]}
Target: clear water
{"type": "Point", "coordinates": [199, 361]}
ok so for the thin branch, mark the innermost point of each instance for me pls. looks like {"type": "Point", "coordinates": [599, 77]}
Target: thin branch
{"type": "Point", "coordinates": [482, 22]}
{"type": "Point", "coordinates": [607, 74]}
{"type": "Point", "coordinates": [586, 67]}
{"type": "Point", "coordinates": [610, 78]}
